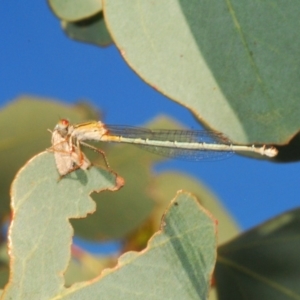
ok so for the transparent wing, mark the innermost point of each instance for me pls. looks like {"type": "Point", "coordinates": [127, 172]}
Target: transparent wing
{"type": "Point", "coordinates": [173, 136]}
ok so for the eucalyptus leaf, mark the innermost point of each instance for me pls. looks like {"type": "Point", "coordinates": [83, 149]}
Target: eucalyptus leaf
{"type": "Point", "coordinates": [263, 263]}
{"type": "Point", "coordinates": [234, 64]}
{"type": "Point", "coordinates": [178, 260]}
{"type": "Point", "coordinates": [161, 191]}
{"type": "Point", "coordinates": [40, 234]}
{"type": "Point", "coordinates": [177, 263]}
{"type": "Point", "coordinates": [75, 10]}
{"type": "Point", "coordinates": [92, 30]}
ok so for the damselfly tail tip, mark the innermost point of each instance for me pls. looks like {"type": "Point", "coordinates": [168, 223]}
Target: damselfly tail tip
{"type": "Point", "coordinates": [270, 152]}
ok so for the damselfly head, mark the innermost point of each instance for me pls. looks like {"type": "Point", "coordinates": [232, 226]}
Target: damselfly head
{"type": "Point", "coordinates": [62, 127]}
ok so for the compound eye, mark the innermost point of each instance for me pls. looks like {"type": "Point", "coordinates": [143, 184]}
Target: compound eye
{"type": "Point", "coordinates": [63, 124]}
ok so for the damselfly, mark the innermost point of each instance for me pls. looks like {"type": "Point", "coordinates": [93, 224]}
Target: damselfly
{"type": "Point", "coordinates": [186, 144]}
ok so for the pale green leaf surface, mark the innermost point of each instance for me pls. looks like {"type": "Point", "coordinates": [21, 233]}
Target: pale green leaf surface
{"type": "Point", "coordinates": [177, 263]}
{"type": "Point", "coordinates": [75, 10]}
{"type": "Point", "coordinates": [23, 131]}
{"type": "Point", "coordinates": [40, 234]}
{"type": "Point", "coordinates": [234, 64]}
{"type": "Point", "coordinates": [161, 190]}
{"type": "Point", "coordinates": [92, 30]}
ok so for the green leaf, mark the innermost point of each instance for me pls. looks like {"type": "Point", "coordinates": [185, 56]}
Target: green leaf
{"type": "Point", "coordinates": [233, 64]}
{"type": "Point", "coordinates": [181, 255]}
{"type": "Point", "coordinates": [92, 30]}
{"type": "Point", "coordinates": [161, 191]}
{"type": "Point", "coordinates": [23, 130]}
{"type": "Point", "coordinates": [263, 263]}
{"type": "Point", "coordinates": [177, 264]}
{"type": "Point", "coordinates": [40, 234]}
{"type": "Point", "coordinates": [75, 10]}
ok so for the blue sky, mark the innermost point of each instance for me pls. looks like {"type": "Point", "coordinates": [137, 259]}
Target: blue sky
{"type": "Point", "coordinates": [38, 59]}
